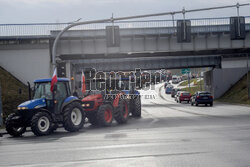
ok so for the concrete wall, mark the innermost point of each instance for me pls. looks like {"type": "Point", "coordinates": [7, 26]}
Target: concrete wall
{"type": "Point", "coordinates": [218, 81]}
{"type": "Point", "coordinates": [26, 64]}
{"type": "Point", "coordinates": [235, 63]}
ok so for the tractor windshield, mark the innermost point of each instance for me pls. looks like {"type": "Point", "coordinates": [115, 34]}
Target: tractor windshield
{"type": "Point", "coordinates": [42, 90]}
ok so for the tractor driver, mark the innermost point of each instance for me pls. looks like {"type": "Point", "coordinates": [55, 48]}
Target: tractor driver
{"type": "Point", "coordinates": [59, 94]}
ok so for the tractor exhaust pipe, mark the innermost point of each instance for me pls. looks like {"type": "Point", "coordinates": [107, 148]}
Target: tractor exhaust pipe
{"type": "Point", "coordinates": [29, 90]}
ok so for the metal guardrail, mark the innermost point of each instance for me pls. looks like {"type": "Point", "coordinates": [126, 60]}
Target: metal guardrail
{"type": "Point", "coordinates": [208, 24]}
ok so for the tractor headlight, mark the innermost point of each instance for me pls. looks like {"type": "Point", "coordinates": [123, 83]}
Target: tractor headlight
{"type": "Point", "coordinates": [22, 108]}
{"type": "Point", "coordinates": [86, 105]}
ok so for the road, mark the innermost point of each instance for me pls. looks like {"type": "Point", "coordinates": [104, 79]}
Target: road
{"type": "Point", "coordinates": [168, 134]}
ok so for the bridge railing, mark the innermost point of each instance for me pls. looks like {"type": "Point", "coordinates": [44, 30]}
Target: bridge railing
{"type": "Point", "coordinates": [44, 29]}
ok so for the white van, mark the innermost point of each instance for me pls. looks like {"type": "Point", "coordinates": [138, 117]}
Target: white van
{"type": "Point", "coordinates": [175, 79]}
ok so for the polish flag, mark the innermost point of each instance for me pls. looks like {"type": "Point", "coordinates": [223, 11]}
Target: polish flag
{"type": "Point", "coordinates": [83, 83]}
{"type": "Point", "coordinates": [53, 81]}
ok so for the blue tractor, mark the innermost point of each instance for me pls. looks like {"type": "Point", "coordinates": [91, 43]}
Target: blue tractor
{"type": "Point", "coordinates": [47, 110]}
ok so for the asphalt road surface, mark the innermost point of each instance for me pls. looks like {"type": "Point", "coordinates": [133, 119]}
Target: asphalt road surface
{"type": "Point", "coordinates": [168, 134]}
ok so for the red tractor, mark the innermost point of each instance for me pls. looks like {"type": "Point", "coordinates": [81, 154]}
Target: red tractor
{"type": "Point", "coordinates": [101, 107]}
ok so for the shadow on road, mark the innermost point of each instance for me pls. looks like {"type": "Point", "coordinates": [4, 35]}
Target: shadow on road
{"type": "Point", "coordinates": [31, 138]}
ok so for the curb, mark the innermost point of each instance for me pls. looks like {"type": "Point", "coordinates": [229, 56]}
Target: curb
{"type": "Point", "coordinates": [235, 104]}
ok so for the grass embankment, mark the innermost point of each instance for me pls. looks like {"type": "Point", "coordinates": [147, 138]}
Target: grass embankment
{"type": "Point", "coordinates": [237, 93]}
{"type": "Point", "coordinates": [198, 87]}
{"type": "Point", "coordinates": [10, 92]}
{"type": "Point", "coordinates": [185, 83]}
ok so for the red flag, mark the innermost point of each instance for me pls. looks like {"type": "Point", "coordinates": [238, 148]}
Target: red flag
{"type": "Point", "coordinates": [83, 83]}
{"type": "Point", "coordinates": [53, 81]}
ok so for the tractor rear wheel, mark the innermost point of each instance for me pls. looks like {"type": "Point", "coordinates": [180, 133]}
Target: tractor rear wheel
{"type": "Point", "coordinates": [73, 117]}
{"type": "Point", "coordinates": [105, 115]}
{"type": "Point", "coordinates": [11, 129]}
{"type": "Point", "coordinates": [121, 113]}
{"type": "Point", "coordinates": [135, 106]}
{"type": "Point", "coordinates": [41, 124]}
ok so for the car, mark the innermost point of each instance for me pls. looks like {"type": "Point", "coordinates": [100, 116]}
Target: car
{"type": "Point", "coordinates": [169, 89]}
{"type": "Point", "coordinates": [202, 97]}
{"type": "Point", "coordinates": [166, 84]}
{"type": "Point", "coordinates": [183, 96]}
{"type": "Point", "coordinates": [175, 81]}
{"type": "Point", "coordinates": [174, 91]}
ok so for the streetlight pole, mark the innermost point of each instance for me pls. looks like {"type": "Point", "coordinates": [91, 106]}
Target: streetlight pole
{"type": "Point", "coordinates": [189, 82]}
{"type": "Point", "coordinates": [1, 109]}
{"type": "Point", "coordinates": [248, 88]}
{"type": "Point", "coordinates": [200, 82]}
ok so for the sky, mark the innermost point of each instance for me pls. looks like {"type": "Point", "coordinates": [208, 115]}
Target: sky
{"type": "Point", "coordinates": [58, 11]}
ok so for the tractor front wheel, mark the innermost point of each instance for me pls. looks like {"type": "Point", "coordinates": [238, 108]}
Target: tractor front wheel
{"type": "Point", "coordinates": [73, 117]}
{"type": "Point", "coordinates": [92, 118]}
{"type": "Point", "coordinates": [11, 129]}
{"type": "Point", "coordinates": [41, 124]}
{"type": "Point", "coordinates": [122, 112]}
{"type": "Point", "coordinates": [105, 115]}
{"type": "Point", "coordinates": [135, 106]}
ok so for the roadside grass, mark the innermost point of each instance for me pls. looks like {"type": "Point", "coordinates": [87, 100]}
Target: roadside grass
{"type": "Point", "coordinates": [237, 93]}
{"type": "Point", "coordinates": [200, 82]}
{"type": "Point", "coordinates": [185, 83]}
{"type": "Point", "coordinates": [192, 89]}
{"type": "Point", "coordinates": [198, 87]}
{"type": "Point", "coordinates": [10, 92]}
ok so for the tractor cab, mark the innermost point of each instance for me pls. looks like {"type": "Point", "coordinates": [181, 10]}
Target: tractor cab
{"type": "Point", "coordinates": [53, 100]}
{"type": "Point", "coordinates": [47, 110]}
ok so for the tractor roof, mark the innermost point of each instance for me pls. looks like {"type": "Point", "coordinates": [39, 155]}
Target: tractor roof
{"type": "Point", "coordinates": [49, 80]}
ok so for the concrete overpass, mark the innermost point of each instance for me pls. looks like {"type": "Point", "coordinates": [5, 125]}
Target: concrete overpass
{"type": "Point", "coordinates": [25, 50]}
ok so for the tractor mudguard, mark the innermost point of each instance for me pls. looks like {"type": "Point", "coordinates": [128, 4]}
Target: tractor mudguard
{"type": "Point", "coordinates": [69, 100]}
{"type": "Point", "coordinates": [107, 102]}
{"type": "Point", "coordinates": [54, 119]}
{"type": "Point", "coordinates": [16, 120]}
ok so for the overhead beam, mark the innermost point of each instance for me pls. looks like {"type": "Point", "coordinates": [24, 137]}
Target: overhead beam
{"type": "Point", "coordinates": [154, 54]}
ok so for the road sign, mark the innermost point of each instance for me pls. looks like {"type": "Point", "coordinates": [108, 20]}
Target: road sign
{"type": "Point", "coordinates": [185, 70]}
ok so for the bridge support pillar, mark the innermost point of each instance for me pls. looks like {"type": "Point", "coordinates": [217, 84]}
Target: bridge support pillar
{"type": "Point", "coordinates": [218, 81]}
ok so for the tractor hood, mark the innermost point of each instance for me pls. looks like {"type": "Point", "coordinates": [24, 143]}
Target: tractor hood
{"type": "Point", "coordinates": [127, 92]}
{"type": "Point", "coordinates": [36, 103]}
{"type": "Point", "coordinates": [92, 97]}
